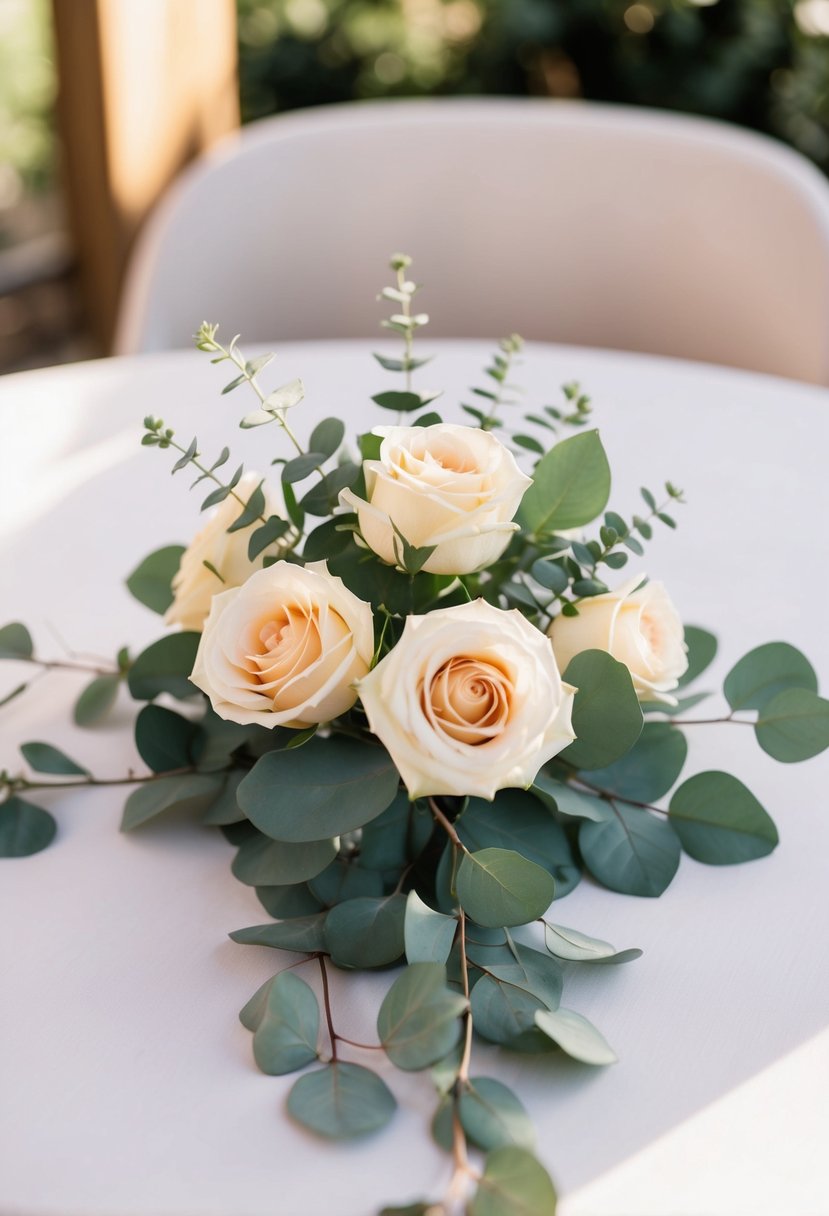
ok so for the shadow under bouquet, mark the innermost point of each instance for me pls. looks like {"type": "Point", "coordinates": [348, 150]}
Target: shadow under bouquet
{"type": "Point", "coordinates": [421, 694]}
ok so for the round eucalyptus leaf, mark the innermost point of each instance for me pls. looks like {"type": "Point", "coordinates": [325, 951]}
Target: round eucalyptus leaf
{"type": "Point", "coordinates": [607, 717]}
{"type": "Point", "coordinates": [500, 887]}
{"type": "Point", "coordinates": [443, 1124]}
{"type": "Point", "coordinates": [252, 1012]}
{"type": "Point", "coordinates": [193, 791]}
{"type": "Point", "coordinates": [325, 788]}
{"type": "Point", "coordinates": [492, 1116]}
{"type": "Point", "coordinates": [224, 809]}
{"type": "Point", "coordinates": [575, 1035]}
{"type": "Point", "coordinates": [262, 862]}
{"type": "Point", "coordinates": [793, 726]}
{"type": "Point", "coordinates": [305, 934]}
{"type": "Point", "coordinates": [578, 947]}
{"type": "Point", "coordinates": [96, 700]}
{"type": "Point", "coordinates": [766, 671]}
{"type": "Point", "coordinates": [500, 1011]}
{"type": "Point", "coordinates": [400, 833]}
{"type": "Point", "coordinates": [44, 758]}
{"type": "Point", "coordinates": [15, 642]}
{"type": "Point", "coordinates": [571, 485]}
{"type": "Point", "coordinates": [151, 581]}
{"type": "Point", "coordinates": [532, 971]}
{"type": "Point", "coordinates": [702, 650]}
{"type": "Point", "coordinates": [518, 821]}
{"type": "Point", "coordinates": [428, 935]}
{"type": "Point", "coordinates": [164, 738]}
{"type": "Point", "coordinates": [514, 1183]}
{"type": "Point", "coordinates": [418, 1022]}
{"type": "Point", "coordinates": [165, 666]}
{"type": "Point", "coordinates": [650, 768]}
{"type": "Point", "coordinates": [572, 803]}
{"type": "Point", "coordinates": [24, 828]}
{"type": "Point", "coordinates": [631, 851]}
{"type": "Point", "coordinates": [327, 436]}
{"type": "Point", "coordinates": [366, 932]}
{"type": "Point", "coordinates": [344, 880]}
{"type": "Point", "coordinates": [720, 822]}
{"type": "Point", "coordinates": [284, 903]}
{"type": "Point", "coordinates": [285, 1038]}
{"type": "Point", "coordinates": [341, 1101]}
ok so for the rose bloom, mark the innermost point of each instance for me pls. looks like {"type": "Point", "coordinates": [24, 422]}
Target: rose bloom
{"type": "Point", "coordinates": [469, 701]}
{"type": "Point", "coordinates": [454, 487]}
{"type": "Point", "coordinates": [285, 648]}
{"type": "Point", "coordinates": [640, 628]}
{"type": "Point", "coordinates": [193, 584]}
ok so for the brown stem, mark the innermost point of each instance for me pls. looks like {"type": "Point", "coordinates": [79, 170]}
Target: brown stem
{"type": "Point", "coordinates": [20, 783]}
{"type": "Point", "coordinates": [446, 825]}
{"type": "Point", "coordinates": [69, 665]}
{"type": "Point", "coordinates": [710, 721]}
{"type": "Point", "coordinates": [326, 999]}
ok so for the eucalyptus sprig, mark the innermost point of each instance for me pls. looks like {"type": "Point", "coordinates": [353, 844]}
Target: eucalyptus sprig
{"type": "Point", "coordinates": [405, 323]}
{"type": "Point", "coordinates": [504, 392]}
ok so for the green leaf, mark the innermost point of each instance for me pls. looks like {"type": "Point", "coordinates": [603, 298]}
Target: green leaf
{"type": "Point", "coordinates": [573, 804]}
{"type": "Point", "coordinates": [285, 397]}
{"type": "Point", "coordinates": [719, 821]}
{"type": "Point", "coordinates": [403, 403]}
{"type": "Point", "coordinates": [150, 581]}
{"type": "Point", "coordinates": [418, 1019]}
{"type": "Point", "coordinates": [165, 666]}
{"type": "Point", "coordinates": [551, 575]}
{"type": "Point", "coordinates": [283, 903]}
{"type": "Point", "coordinates": [224, 809]}
{"type": "Point", "coordinates": [327, 540]}
{"type": "Point", "coordinates": [165, 739]}
{"type": "Point", "coordinates": [249, 514]}
{"type": "Point", "coordinates": [267, 535]}
{"type": "Point", "coordinates": [366, 932]}
{"type": "Point", "coordinates": [96, 700]}
{"type": "Point", "coordinates": [631, 851]}
{"type": "Point", "coordinates": [344, 879]}
{"type": "Point", "coordinates": [517, 820]}
{"type": "Point", "coordinates": [764, 672]}
{"type": "Point", "coordinates": [370, 445]}
{"type": "Point", "coordinates": [651, 766]}
{"type": "Point", "coordinates": [578, 947]}
{"type": "Point", "coordinates": [575, 1035]}
{"type": "Point", "coordinates": [793, 726]}
{"type": "Point", "coordinates": [322, 498]}
{"type": "Point", "coordinates": [607, 717]}
{"type": "Point", "coordinates": [262, 862]}
{"type": "Point", "coordinates": [285, 1038]}
{"type": "Point", "coordinates": [500, 887]}
{"type": "Point", "coordinates": [24, 828]}
{"type": "Point", "coordinates": [492, 1116]}
{"type": "Point", "coordinates": [15, 642]}
{"type": "Point", "coordinates": [501, 1012]}
{"type": "Point", "coordinates": [327, 436]}
{"type": "Point", "coordinates": [402, 365]}
{"type": "Point", "coordinates": [527, 969]}
{"type": "Point", "coordinates": [341, 1101]}
{"type": "Point", "coordinates": [571, 486]}
{"type": "Point", "coordinates": [514, 1183]}
{"type": "Point", "coordinates": [302, 466]}
{"type": "Point", "coordinates": [428, 935]}
{"type": "Point", "coordinates": [325, 788]}
{"type": "Point", "coordinates": [191, 792]}
{"type": "Point", "coordinates": [396, 836]}
{"type": "Point", "coordinates": [305, 934]}
{"type": "Point", "coordinates": [44, 758]}
{"type": "Point", "coordinates": [702, 650]}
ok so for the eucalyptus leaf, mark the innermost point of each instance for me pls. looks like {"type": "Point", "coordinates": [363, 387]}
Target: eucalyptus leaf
{"type": "Point", "coordinates": [607, 718]}
{"type": "Point", "coordinates": [344, 879]}
{"type": "Point", "coordinates": [428, 935]}
{"type": "Point", "coordinates": [96, 700]}
{"type": "Point", "coordinates": [575, 1035]}
{"type": "Point", "coordinates": [631, 851]}
{"type": "Point", "coordinates": [165, 739]}
{"type": "Point", "coordinates": [418, 1022]}
{"type": "Point", "coordinates": [719, 821]}
{"type": "Point", "coordinates": [793, 726]}
{"type": "Point", "coordinates": [571, 486]}
{"type": "Point", "coordinates": [262, 862]}
{"type": "Point", "coordinates": [283, 903]}
{"type": "Point", "coordinates": [44, 758]}
{"type": "Point", "coordinates": [325, 788]}
{"type": "Point", "coordinates": [327, 436]}
{"type": "Point", "coordinates": [366, 932]}
{"type": "Point", "coordinates": [650, 768]}
{"type": "Point", "coordinates": [531, 971]}
{"type": "Point", "coordinates": [15, 642]}
{"type": "Point", "coordinates": [251, 512]}
{"type": "Point", "coordinates": [573, 804]}
{"type": "Point", "coordinates": [341, 1101]}
{"type": "Point", "coordinates": [516, 820]}
{"type": "Point", "coordinates": [305, 934]}
{"type": "Point", "coordinates": [399, 834]}
{"type": "Point", "coordinates": [151, 581]}
{"type": "Point", "coordinates": [501, 1011]}
{"type": "Point", "coordinates": [285, 1038]}
{"type": "Point", "coordinates": [192, 792]}
{"type": "Point", "coordinates": [24, 828]}
{"type": "Point", "coordinates": [165, 666]}
{"type": "Point", "coordinates": [577, 947]}
{"type": "Point", "coordinates": [702, 650]}
{"type": "Point", "coordinates": [492, 1116]}
{"type": "Point", "coordinates": [224, 809]}
{"type": "Point", "coordinates": [514, 1183]}
{"type": "Point", "coordinates": [766, 671]}
{"type": "Point", "coordinates": [262, 538]}
{"type": "Point", "coordinates": [500, 887]}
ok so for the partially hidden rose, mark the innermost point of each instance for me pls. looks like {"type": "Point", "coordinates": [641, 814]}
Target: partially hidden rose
{"type": "Point", "coordinates": [194, 584]}
{"type": "Point", "coordinates": [469, 701]}
{"type": "Point", "coordinates": [285, 648]}
{"type": "Point", "coordinates": [641, 628]}
{"type": "Point", "coordinates": [452, 487]}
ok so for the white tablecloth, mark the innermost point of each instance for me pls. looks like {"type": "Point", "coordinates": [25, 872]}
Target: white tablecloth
{"type": "Point", "coordinates": [127, 1085]}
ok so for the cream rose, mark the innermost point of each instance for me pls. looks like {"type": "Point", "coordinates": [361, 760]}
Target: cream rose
{"type": "Point", "coordinates": [640, 628]}
{"type": "Point", "coordinates": [469, 701]}
{"type": "Point", "coordinates": [194, 585]}
{"type": "Point", "coordinates": [453, 487]}
{"type": "Point", "coordinates": [285, 648]}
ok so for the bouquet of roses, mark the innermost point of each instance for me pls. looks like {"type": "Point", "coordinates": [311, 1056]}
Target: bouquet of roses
{"type": "Point", "coordinates": [414, 702]}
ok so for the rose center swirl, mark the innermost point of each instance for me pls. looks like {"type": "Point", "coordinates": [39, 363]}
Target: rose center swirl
{"type": "Point", "coordinates": [468, 699]}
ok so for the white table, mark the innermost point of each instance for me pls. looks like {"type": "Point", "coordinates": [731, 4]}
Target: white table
{"type": "Point", "coordinates": [127, 1086]}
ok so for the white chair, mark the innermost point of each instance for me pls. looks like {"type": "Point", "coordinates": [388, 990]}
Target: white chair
{"type": "Point", "coordinates": [568, 222]}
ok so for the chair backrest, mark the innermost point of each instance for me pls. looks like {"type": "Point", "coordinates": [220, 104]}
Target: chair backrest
{"type": "Point", "coordinates": [568, 222]}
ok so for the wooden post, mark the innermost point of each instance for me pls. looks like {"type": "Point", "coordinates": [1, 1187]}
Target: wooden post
{"type": "Point", "coordinates": [144, 85]}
